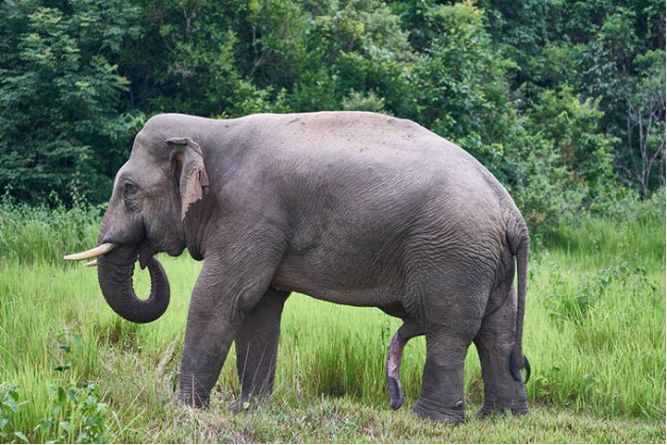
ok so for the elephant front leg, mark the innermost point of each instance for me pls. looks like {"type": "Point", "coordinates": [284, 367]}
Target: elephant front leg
{"type": "Point", "coordinates": [257, 346]}
{"type": "Point", "coordinates": [214, 318]}
{"type": "Point", "coordinates": [208, 337]}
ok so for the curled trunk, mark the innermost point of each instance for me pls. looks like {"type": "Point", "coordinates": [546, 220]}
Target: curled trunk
{"type": "Point", "coordinates": [115, 272]}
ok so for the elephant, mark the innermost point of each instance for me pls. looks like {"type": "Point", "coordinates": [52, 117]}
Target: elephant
{"type": "Point", "coordinates": [354, 208]}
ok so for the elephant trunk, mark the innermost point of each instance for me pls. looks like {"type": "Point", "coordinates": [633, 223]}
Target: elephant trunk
{"type": "Point", "coordinates": [114, 273]}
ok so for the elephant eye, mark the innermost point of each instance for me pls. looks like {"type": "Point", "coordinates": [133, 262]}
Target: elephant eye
{"type": "Point", "coordinates": [130, 197]}
{"type": "Point", "coordinates": [129, 189]}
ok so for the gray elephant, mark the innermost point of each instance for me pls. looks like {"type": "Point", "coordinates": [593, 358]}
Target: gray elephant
{"type": "Point", "coordinates": [354, 208]}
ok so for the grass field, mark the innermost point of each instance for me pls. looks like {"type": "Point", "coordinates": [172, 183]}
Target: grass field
{"type": "Point", "coordinates": [75, 372]}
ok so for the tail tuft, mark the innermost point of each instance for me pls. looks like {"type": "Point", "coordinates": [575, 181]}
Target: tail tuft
{"type": "Point", "coordinates": [515, 368]}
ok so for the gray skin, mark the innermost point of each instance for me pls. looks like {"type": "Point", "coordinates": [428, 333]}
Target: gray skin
{"type": "Point", "coordinates": [354, 208]}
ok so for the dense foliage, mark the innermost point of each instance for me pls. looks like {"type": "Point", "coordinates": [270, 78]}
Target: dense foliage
{"type": "Point", "coordinates": [563, 100]}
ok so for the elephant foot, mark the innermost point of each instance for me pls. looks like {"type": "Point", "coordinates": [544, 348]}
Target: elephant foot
{"type": "Point", "coordinates": [192, 401]}
{"type": "Point", "coordinates": [238, 406]}
{"type": "Point", "coordinates": [428, 408]}
{"type": "Point", "coordinates": [519, 408]}
{"type": "Point", "coordinates": [246, 403]}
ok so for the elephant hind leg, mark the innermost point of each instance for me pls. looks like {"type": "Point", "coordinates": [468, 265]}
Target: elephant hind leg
{"type": "Point", "coordinates": [257, 346]}
{"type": "Point", "coordinates": [441, 396]}
{"type": "Point", "coordinates": [451, 330]}
{"type": "Point", "coordinates": [495, 345]}
{"type": "Point", "coordinates": [408, 330]}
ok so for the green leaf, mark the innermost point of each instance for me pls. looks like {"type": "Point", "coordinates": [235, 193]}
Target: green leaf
{"type": "Point", "coordinates": [21, 436]}
{"type": "Point", "coordinates": [63, 367]}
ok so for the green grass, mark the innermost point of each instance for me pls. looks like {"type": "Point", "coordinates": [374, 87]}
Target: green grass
{"type": "Point", "coordinates": [595, 335]}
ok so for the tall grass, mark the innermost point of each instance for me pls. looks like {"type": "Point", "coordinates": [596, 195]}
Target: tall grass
{"type": "Point", "coordinates": [595, 335]}
{"type": "Point", "coordinates": [29, 234]}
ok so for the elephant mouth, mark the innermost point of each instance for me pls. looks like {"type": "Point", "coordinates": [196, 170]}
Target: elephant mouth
{"type": "Point", "coordinates": [146, 253]}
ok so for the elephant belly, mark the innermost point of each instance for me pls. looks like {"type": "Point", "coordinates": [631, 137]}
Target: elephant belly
{"type": "Point", "coordinates": [342, 284]}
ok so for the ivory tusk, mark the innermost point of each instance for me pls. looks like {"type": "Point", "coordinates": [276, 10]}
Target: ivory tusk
{"type": "Point", "coordinates": [92, 253]}
{"type": "Point", "coordinates": [91, 264]}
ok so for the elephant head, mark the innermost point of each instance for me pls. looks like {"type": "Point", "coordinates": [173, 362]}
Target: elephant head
{"type": "Point", "coordinates": [152, 196]}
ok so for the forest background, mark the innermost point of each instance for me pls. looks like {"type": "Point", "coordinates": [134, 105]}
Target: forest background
{"type": "Point", "coordinates": [564, 101]}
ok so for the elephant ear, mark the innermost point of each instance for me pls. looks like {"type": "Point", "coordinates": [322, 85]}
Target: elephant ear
{"type": "Point", "coordinates": [187, 166]}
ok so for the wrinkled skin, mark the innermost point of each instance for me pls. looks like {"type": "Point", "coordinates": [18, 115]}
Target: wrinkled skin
{"type": "Point", "coordinates": [353, 208]}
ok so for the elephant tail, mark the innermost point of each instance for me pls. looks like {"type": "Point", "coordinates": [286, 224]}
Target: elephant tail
{"type": "Point", "coordinates": [519, 243]}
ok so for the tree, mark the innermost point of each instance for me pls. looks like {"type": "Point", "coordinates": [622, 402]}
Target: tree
{"type": "Point", "coordinates": [192, 65]}
{"type": "Point", "coordinates": [61, 130]}
{"type": "Point", "coordinates": [646, 122]}
{"type": "Point", "coordinates": [461, 89]}
{"type": "Point", "coordinates": [570, 128]}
